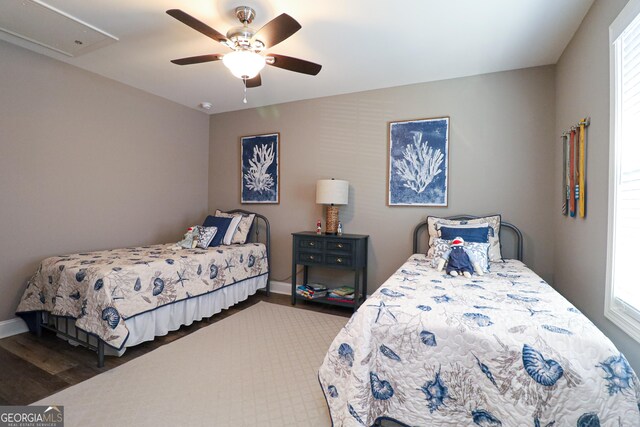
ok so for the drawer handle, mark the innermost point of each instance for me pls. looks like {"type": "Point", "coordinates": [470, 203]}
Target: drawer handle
{"type": "Point", "coordinates": [339, 260]}
{"type": "Point", "coordinates": [312, 244]}
{"type": "Point", "coordinates": [311, 257]}
{"type": "Point", "coordinates": [340, 245]}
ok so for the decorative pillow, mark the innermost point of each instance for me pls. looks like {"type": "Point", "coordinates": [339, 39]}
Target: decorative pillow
{"type": "Point", "coordinates": [222, 224]}
{"type": "Point", "coordinates": [233, 226]}
{"type": "Point", "coordinates": [478, 252]}
{"type": "Point", "coordinates": [440, 247]}
{"type": "Point", "coordinates": [244, 226]}
{"type": "Point", "coordinates": [469, 234]}
{"type": "Point", "coordinates": [493, 222]}
{"type": "Point", "coordinates": [205, 235]}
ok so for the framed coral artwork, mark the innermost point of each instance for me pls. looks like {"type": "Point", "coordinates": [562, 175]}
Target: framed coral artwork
{"type": "Point", "coordinates": [418, 162]}
{"type": "Point", "coordinates": [260, 168]}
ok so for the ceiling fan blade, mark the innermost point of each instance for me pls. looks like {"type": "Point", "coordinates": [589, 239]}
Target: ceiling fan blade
{"type": "Point", "coordinates": [277, 30]}
{"type": "Point", "coordinates": [200, 26]}
{"type": "Point", "coordinates": [254, 82]}
{"type": "Point", "coordinates": [294, 64]}
{"type": "Point", "coordinates": [197, 59]}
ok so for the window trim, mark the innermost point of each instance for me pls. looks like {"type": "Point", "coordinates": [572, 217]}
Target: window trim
{"type": "Point", "coordinates": [625, 317]}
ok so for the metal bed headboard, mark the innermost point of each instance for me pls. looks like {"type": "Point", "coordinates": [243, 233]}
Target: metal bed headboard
{"type": "Point", "coordinates": [515, 230]}
{"type": "Point", "coordinates": [255, 232]}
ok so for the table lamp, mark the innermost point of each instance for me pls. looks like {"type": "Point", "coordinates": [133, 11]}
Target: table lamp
{"type": "Point", "coordinates": [332, 192]}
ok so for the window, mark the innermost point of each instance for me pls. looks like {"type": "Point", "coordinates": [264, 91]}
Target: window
{"type": "Point", "coordinates": [622, 305]}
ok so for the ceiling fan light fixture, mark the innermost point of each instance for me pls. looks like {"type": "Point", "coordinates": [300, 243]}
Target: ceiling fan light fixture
{"type": "Point", "coordinates": [244, 64]}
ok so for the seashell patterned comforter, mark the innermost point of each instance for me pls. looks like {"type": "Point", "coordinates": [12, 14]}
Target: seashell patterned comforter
{"type": "Point", "coordinates": [504, 349]}
{"type": "Point", "coordinates": [103, 289]}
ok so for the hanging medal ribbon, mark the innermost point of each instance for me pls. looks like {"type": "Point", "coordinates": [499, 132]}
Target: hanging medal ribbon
{"type": "Point", "coordinates": [565, 175]}
{"type": "Point", "coordinates": [572, 173]}
{"type": "Point", "coordinates": [582, 170]}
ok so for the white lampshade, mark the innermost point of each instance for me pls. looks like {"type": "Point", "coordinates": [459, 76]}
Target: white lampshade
{"type": "Point", "coordinates": [332, 191]}
{"type": "Point", "coordinates": [244, 64]}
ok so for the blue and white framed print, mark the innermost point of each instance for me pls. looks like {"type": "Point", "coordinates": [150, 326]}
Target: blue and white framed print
{"type": "Point", "coordinates": [260, 157]}
{"type": "Point", "coordinates": [418, 162]}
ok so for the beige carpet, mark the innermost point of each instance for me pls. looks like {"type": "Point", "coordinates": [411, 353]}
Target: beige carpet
{"type": "Point", "coordinates": [256, 368]}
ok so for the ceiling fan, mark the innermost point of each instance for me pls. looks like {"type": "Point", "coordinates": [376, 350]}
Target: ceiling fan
{"type": "Point", "coordinates": [247, 59]}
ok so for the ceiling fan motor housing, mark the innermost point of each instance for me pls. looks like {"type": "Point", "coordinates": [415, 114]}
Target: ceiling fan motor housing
{"type": "Point", "coordinates": [240, 37]}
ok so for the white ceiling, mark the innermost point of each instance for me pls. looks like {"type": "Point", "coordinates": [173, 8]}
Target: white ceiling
{"type": "Point", "coordinates": [362, 44]}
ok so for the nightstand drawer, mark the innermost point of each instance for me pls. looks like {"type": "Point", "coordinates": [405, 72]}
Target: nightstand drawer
{"type": "Point", "coordinates": [339, 260]}
{"type": "Point", "coordinates": [307, 257]}
{"type": "Point", "coordinates": [310, 244]}
{"type": "Point", "coordinates": [339, 246]}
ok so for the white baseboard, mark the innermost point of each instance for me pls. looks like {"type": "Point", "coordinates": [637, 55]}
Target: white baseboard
{"type": "Point", "coordinates": [11, 327]}
{"type": "Point", "coordinates": [280, 287]}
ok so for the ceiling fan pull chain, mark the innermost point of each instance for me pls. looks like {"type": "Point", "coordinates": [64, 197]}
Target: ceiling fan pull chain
{"type": "Point", "coordinates": [244, 81]}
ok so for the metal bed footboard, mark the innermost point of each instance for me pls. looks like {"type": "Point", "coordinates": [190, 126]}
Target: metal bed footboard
{"type": "Point", "coordinates": [254, 236]}
{"type": "Point", "coordinates": [51, 322]}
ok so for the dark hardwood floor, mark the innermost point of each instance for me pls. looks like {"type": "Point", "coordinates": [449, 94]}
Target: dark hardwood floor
{"type": "Point", "coordinates": [33, 368]}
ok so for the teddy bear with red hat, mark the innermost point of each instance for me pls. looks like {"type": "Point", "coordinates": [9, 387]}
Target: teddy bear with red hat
{"type": "Point", "coordinates": [458, 260]}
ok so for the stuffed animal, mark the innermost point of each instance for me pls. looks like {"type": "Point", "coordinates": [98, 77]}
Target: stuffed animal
{"type": "Point", "coordinates": [458, 260]}
{"type": "Point", "coordinates": [190, 238]}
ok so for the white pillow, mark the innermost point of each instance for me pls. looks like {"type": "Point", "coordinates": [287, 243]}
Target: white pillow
{"type": "Point", "coordinates": [233, 225]}
{"type": "Point", "coordinates": [242, 232]}
{"type": "Point", "coordinates": [493, 222]}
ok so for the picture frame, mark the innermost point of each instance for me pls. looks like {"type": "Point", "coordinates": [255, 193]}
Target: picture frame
{"type": "Point", "coordinates": [418, 162]}
{"type": "Point", "coordinates": [260, 168]}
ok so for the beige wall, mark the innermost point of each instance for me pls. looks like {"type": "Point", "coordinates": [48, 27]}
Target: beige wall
{"type": "Point", "coordinates": [87, 163]}
{"type": "Point", "coordinates": [501, 160]}
{"type": "Point", "coordinates": [582, 89]}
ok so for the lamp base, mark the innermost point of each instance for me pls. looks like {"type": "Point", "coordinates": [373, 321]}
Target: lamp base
{"type": "Point", "coordinates": [332, 220]}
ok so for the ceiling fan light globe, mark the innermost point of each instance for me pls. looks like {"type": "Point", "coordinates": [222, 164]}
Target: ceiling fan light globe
{"type": "Point", "coordinates": [244, 64]}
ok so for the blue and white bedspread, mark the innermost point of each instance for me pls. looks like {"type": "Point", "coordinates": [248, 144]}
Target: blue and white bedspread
{"type": "Point", "coordinates": [103, 289]}
{"type": "Point", "coordinates": [504, 349]}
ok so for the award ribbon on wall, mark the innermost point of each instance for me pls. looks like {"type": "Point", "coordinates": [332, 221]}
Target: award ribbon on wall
{"type": "Point", "coordinates": [565, 174]}
{"type": "Point", "coordinates": [580, 193]}
{"type": "Point", "coordinates": [572, 172]}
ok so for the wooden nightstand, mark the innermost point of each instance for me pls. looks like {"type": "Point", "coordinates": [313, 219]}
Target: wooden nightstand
{"type": "Point", "coordinates": [348, 252]}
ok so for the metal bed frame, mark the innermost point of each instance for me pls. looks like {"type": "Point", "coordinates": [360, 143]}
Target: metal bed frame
{"type": "Point", "coordinates": [416, 245]}
{"type": "Point", "coordinates": [515, 230]}
{"type": "Point", "coordinates": [45, 320]}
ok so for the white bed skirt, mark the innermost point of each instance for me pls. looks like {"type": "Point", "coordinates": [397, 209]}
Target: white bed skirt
{"type": "Point", "coordinates": [161, 321]}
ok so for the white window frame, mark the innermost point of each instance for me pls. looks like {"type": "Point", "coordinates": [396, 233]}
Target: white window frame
{"type": "Point", "coordinates": [623, 315]}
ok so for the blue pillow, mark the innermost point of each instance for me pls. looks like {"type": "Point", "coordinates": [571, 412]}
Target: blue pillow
{"type": "Point", "coordinates": [469, 234]}
{"type": "Point", "coordinates": [222, 224]}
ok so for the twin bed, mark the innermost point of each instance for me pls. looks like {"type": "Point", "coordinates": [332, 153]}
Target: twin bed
{"type": "Point", "coordinates": [502, 349]}
{"type": "Point", "coordinates": [114, 299]}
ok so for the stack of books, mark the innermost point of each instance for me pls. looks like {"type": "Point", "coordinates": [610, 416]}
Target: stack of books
{"type": "Point", "coordinates": [342, 294]}
{"type": "Point", "coordinates": [311, 290]}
